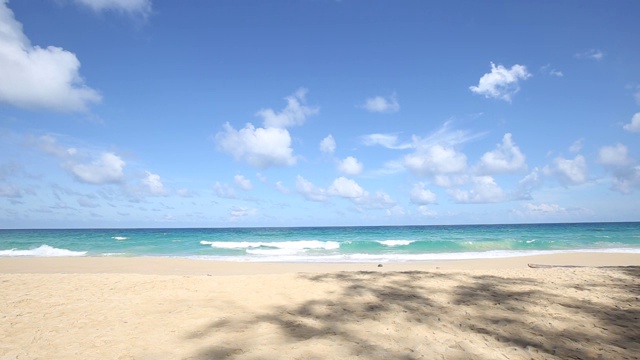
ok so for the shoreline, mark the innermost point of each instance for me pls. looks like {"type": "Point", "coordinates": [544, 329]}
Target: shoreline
{"type": "Point", "coordinates": [182, 266]}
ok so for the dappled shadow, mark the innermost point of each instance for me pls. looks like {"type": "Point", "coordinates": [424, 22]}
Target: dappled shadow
{"type": "Point", "coordinates": [408, 315]}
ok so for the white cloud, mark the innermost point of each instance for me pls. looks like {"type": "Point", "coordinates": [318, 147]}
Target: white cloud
{"type": "Point", "coordinates": [295, 113]}
{"type": "Point", "coordinates": [154, 184]}
{"type": "Point", "coordinates": [142, 7]}
{"type": "Point", "coordinates": [421, 196]}
{"type": "Point", "coordinates": [528, 183]}
{"type": "Point", "coordinates": [346, 188]}
{"type": "Point", "coordinates": [501, 83]}
{"type": "Point", "coordinates": [485, 190]}
{"type": "Point", "coordinates": [425, 211]}
{"type": "Point", "coordinates": [626, 174]}
{"type": "Point", "coordinates": [310, 191]}
{"type": "Point", "coordinates": [242, 182]}
{"type": "Point", "coordinates": [224, 191]}
{"type": "Point", "coordinates": [506, 158]}
{"type": "Point", "coordinates": [547, 69]}
{"type": "Point", "coordinates": [104, 170]}
{"type": "Point", "coordinates": [281, 188]}
{"type": "Point", "coordinates": [545, 208]}
{"type": "Point", "coordinates": [567, 171]}
{"type": "Point", "coordinates": [634, 125]}
{"type": "Point", "coordinates": [378, 200]}
{"type": "Point", "coordinates": [236, 213]}
{"type": "Point", "coordinates": [328, 145]}
{"type": "Point", "coordinates": [35, 77]}
{"type": "Point", "coordinates": [436, 154]}
{"type": "Point", "coordinates": [593, 54]}
{"type": "Point", "coordinates": [184, 193]}
{"type": "Point", "coordinates": [389, 141]}
{"type": "Point", "coordinates": [382, 104]}
{"type": "Point", "coordinates": [263, 178]}
{"type": "Point", "coordinates": [576, 146]}
{"type": "Point", "coordinates": [627, 179]}
{"type": "Point", "coordinates": [614, 156]}
{"type": "Point", "coordinates": [435, 160]}
{"type": "Point", "coordinates": [259, 147]}
{"type": "Point", "coordinates": [350, 166]}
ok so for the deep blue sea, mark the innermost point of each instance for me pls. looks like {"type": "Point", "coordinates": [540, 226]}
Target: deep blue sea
{"type": "Point", "coordinates": [328, 244]}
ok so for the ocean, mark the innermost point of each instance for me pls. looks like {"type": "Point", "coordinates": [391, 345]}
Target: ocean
{"type": "Point", "coordinates": [327, 244]}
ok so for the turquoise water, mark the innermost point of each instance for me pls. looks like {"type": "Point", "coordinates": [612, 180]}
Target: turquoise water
{"type": "Point", "coordinates": [327, 244]}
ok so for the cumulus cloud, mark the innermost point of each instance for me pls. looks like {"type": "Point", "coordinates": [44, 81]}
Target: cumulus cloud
{"type": "Point", "coordinates": [421, 196]}
{"type": "Point", "coordinates": [36, 77]}
{"type": "Point", "coordinates": [485, 190]}
{"type": "Point", "coordinates": [634, 125]}
{"type": "Point", "coordinates": [310, 191]}
{"type": "Point", "coordinates": [259, 147]}
{"type": "Point", "coordinates": [346, 188]}
{"type": "Point", "coordinates": [593, 54]}
{"type": "Point", "coordinates": [501, 83]}
{"type": "Point", "coordinates": [614, 156]}
{"type": "Point", "coordinates": [154, 184]}
{"type": "Point", "coordinates": [506, 158]}
{"type": "Point", "coordinates": [569, 171]}
{"type": "Point", "coordinates": [389, 141]}
{"type": "Point", "coordinates": [85, 166]}
{"type": "Point", "coordinates": [142, 7]}
{"type": "Point", "coordinates": [242, 182]}
{"type": "Point", "coordinates": [436, 155]}
{"type": "Point", "coordinates": [626, 173]}
{"type": "Point", "coordinates": [107, 169]}
{"type": "Point", "coordinates": [435, 160]}
{"type": "Point", "coordinates": [377, 200]}
{"type": "Point", "coordinates": [382, 104]}
{"type": "Point", "coordinates": [350, 166]}
{"type": "Point", "coordinates": [295, 113]}
{"type": "Point", "coordinates": [269, 146]}
{"type": "Point", "coordinates": [328, 145]}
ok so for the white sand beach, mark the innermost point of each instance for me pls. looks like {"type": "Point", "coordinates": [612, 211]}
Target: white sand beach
{"type": "Point", "coordinates": [153, 308]}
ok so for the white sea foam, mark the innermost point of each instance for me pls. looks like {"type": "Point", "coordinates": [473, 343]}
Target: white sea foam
{"type": "Point", "coordinates": [383, 258]}
{"type": "Point", "coordinates": [119, 238]}
{"type": "Point", "coordinates": [42, 251]}
{"type": "Point", "coordinates": [287, 245]}
{"type": "Point", "coordinates": [392, 243]}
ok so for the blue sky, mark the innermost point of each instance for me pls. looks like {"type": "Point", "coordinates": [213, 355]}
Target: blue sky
{"type": "Point", "coordinates": [144, 113]}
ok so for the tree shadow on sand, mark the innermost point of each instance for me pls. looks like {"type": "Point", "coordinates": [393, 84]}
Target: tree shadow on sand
{"type": "Point", "coordinates": [483, 316]}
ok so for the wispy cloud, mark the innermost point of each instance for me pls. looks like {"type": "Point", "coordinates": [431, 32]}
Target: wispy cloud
{"type": "Point", "coordinates": [593, 54]}
{"type": "Point", "coordinates": [137, 7]}
{"type": "Point", "coordinates": [382, 104]}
